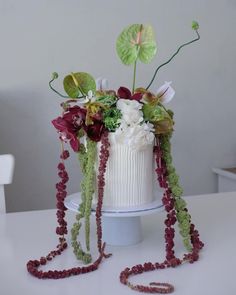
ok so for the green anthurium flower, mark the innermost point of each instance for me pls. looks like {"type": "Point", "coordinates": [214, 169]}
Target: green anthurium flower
{"type": "Point", "coordinates": [80, 83]}
{"type": "Point", "coordinates": [136, 42]}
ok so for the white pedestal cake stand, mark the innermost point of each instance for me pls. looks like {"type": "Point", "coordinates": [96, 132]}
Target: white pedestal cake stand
{"type": "Point", "coordinates": [121, 226]}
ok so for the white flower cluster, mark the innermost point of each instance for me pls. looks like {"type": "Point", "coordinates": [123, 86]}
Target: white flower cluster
{"type": "Point", "coordinates": [133, 131]}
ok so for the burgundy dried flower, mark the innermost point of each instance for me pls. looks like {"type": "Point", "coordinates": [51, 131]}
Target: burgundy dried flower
{"type": "Point", "coordinates": [95, 130]}
{"type": "Point", "coordinates": [125, 93]}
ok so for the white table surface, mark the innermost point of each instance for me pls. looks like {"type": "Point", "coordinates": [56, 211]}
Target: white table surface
{"type": "Point", "coordinates": [30, 235]}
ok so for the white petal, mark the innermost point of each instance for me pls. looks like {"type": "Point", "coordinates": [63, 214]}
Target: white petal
{"type": "Point", "coordinates": [165, 92]}
{"type": "Point", "coordinates": [90, 94]}
{"type": "Point", "coordinates": [104, 84]}
{"type": "Point", "coordinates": [99, 83]}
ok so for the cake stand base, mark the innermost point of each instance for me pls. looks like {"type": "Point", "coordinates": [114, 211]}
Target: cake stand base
{"type": "Point", "coordinates": [121, 226]}
{"type": "Point", "coordinates": [123, 231]}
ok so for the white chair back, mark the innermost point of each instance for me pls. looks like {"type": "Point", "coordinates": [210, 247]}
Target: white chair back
{"type": "Point", "coordinates": [7, 163]}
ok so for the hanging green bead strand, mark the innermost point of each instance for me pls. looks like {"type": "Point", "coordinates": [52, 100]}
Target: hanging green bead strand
{"type": "Point", "coordinates": [78, 251]}
{"type": "Point", "coordinates": [182, 215]}
{"type": "Point", "coordinates": [89, 187]}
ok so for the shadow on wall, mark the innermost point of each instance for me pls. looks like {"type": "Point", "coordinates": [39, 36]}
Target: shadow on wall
{"type": "Point", "coordinates": [26, 132]}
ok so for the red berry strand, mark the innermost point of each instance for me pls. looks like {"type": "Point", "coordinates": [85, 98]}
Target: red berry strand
{"type": "Point", "coordinates": [171, 260]}
{"type": "Point", "coordinates": [61, 230]}
{"type": "Point", "coordinates": [103, 158]}
{"type": "Point", "coordinates": [169, 205]}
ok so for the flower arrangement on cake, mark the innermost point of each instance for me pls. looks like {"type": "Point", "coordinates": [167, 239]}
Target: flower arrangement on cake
{"type": "Point", "coordinates": [120, 137]}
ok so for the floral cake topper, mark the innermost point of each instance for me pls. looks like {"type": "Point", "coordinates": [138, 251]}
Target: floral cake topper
{"type": "Point", "coordinates": [135, 117]}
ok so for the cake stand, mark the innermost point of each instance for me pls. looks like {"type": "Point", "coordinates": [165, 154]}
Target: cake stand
{"type": "Point", "coordinates": [121, 226]}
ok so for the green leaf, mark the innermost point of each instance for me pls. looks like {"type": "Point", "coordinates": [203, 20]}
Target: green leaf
{"type": "Point", "coordinates": [77, 84]}
{"type": "Point", "coordinates": [136, 42]}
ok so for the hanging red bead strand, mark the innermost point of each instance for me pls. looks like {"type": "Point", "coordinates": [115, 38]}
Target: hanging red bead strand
{"type": "Point", "coordinates": [61, 230]}
{"type": "Point", "coordinates": [171, 260]}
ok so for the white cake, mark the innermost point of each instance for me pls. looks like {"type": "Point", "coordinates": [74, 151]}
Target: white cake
{"type": "Point", "coordinates": [129, 175]}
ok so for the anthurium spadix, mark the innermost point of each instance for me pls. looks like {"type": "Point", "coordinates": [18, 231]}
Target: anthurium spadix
{"type": "Point", "coordinates": [165, 93]}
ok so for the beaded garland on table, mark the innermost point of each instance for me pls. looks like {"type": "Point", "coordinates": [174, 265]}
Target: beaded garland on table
{"type": "Point", "coordinates": [174, 206]}
{"type": "Point", "coordinates": [100, 115]}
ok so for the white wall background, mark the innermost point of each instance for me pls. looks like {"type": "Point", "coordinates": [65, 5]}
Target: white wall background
{"type": "Point", "coordinates": [39, 37]}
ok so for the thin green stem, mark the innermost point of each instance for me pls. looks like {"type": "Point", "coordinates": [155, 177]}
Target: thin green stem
{"type": "Point", "coordinates": [53, 89]}
{"type": "Point", "coordinates": [61, 95]}
{"type": "Point", "coordinates": [134, 75]}
{"type": "Point", "coordinates": [169, 60]}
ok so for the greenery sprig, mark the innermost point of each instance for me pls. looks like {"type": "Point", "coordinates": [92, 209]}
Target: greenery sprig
{"type": "Point", "coordinates": [77, 248]}
{"type": "Point", "coordinates": [87, 157]}
{"type": "Point", "coordinates": [112, 119]}
{"type": "Point", "coordinates": [89, 188]}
